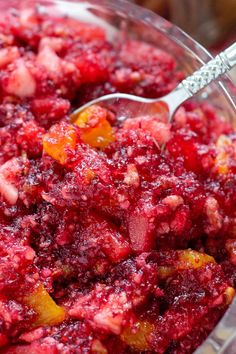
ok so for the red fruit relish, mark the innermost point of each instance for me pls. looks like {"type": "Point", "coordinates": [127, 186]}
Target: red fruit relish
{"type": "Point", "coordinates": [108, 245]}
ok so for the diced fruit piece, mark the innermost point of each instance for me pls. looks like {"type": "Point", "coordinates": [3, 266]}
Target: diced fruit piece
{"type": "Point", "coordinates": [96, 131]}
{"type": "Point", "coordinates": [222, 158]}
{"type": "Point", "coordinates": [49, 59]}
{"type": "Point", "coordinates": [108, 237]}
{"type": "Point", "coordinates": [138, 231]}
{"type": "Point", "coordinates": [159, 130]}
{"type": "Point", "coordinates": [137, 335]}
{"type": "Point", "coordinates": [9, 175]}
{"type": "Point", "coordinates": [33, 335]}
{"type": "Point", "coordinates": [8, 55]}
{"type": "Point", "coordinates": [20, 82]}
{"type": "Point", "coordinates": [194, 259]}
{"type": "Point", "coordinates": [60, 139]}
{"type": "Point", "coordinates": [99, 137]}
{"type": "Point", "coordinates": [213, 213]}
{"type": "Point", "coordinates": [187, 259]}
{"type": "Point", "coordinates": [48, 313]}
{"type": "Point", "coordinates": [54, 43]}
{"type": "Point", "coordinates": [90, 117]}
{"type": "Point", "coordinates": [141, 227]}
{"type": "Point", "coordinates": [156, 123]}
{"type": "Point", "coordinates": [114, 245]}
{"type": "Point", "coordinates": [8, 191]}
{"type": "Point", "coordinates": [131, 177]}
{"type": "Point", "coordinates": [229, 295]}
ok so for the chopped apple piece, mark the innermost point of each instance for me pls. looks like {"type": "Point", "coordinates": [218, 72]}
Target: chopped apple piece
{"type": "Point", "coordinates": [48, 312]}
{"type": "Point", "coordinates": [136, 336]}
{"type": "Point", "coordinates": [59, 140]}
{"type": "Point", "coordinates": [20, 83]}
{"type": "Point", "coordinates": [8, 55]}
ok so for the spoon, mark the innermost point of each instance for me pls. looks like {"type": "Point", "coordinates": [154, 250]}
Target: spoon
{"type": "Point", "coordinates": [128, 106]}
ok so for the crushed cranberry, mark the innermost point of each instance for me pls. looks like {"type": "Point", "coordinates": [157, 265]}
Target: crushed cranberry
{"type": "Point", "coordinates": [107, 243]}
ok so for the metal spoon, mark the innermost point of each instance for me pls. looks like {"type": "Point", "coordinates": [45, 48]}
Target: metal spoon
{"type": "Point", "coordinates": [127, 106]}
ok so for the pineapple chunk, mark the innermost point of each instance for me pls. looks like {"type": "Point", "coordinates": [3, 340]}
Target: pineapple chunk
{"type": "Point", "coordinates": [58, 141]}
{"type": "Point", "coordinates": [96, 131]}
{"type": "Point", "coordinates": [48, 313]}
{"type": "Point", "coordinates": [187, 259]}
{"type": "Point", "coordinates": [136, 337]}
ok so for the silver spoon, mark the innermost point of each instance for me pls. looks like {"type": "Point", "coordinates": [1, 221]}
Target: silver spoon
{"type": "Point", "coordinates": [127, 106]}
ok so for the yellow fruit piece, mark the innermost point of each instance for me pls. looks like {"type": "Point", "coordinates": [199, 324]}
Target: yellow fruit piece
{"type": "Point", "coordinates": [100, 136]}
{"type": "Point", "coordinates": [222, 158]}
{"type": "Point", "coordinates": [229, 295]}
{"type": "Point", "coordinates": [48, 313]}
{"type": "Point", "coordinates": [187, 259]}
{"type": "Point", "coordinates": [193, 259]}
{"type": "Point", "coordinates": [221, 162]}
{"type": "Point", "coordinates": [96, 131]}
{"type": "Point", "coordinates": [137, 336]}
{"type": "Point", "coordinates": [89, 117]}
{"type": "Point", "coordinates": [58, 141]}
{"type": "Point", "coordinates": [82, 119]}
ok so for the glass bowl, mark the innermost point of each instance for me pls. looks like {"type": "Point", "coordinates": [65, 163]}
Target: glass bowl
{"type": "Point", "coordinates": [122, 18]}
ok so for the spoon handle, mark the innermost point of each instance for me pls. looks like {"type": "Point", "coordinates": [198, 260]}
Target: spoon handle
{"type": "Point", "coordinates": [219, 65]}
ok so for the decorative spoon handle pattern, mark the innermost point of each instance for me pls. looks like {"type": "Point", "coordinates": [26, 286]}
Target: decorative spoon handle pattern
{"type": "Point", "coordinates": [210, 71]}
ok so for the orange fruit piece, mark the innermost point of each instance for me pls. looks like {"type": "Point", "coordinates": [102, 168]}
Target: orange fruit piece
{"type": "Point", "coordinates": [187, 259]}
{"type": "Point", "coordinates": [95, 129]}
{"type": "Point", "coordinates": [137, 336]}
{"type": "Point", "coordinates": [60, 139]}
{"type": "Point", "coordinates": [48, 313]}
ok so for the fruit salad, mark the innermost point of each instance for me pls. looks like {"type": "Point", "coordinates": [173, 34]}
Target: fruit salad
{"type": "Point", "coordinates": [108, 243]}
